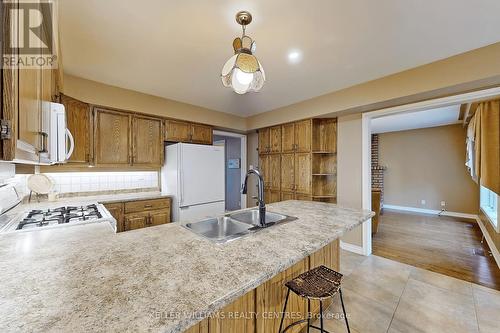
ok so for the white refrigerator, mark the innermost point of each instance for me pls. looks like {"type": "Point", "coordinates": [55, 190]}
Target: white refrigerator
{"type": "Point", "coordinates": [194, 176]}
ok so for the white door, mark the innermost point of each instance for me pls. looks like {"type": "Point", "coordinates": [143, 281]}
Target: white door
{"type": "Point", "coordinates": [202, 174]}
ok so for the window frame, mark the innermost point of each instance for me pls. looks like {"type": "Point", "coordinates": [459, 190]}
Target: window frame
{"type": "Point", "coordinates": [491, 208]}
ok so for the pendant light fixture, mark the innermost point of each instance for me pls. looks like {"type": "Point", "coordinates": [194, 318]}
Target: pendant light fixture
{"type": "Point", "coordinates": [243, 72]}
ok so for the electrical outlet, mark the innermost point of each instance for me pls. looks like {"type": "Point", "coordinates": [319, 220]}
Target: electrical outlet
{"type": "Point", "coordinates": [422, 202]}
{"type": "Point", "coordinates": [443, 203]}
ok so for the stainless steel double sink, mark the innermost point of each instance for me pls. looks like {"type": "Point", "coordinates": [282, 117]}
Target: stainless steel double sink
{"type": "Point", "coordinates": [235, 225]}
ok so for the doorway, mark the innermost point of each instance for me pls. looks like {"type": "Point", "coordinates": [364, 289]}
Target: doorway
{"type": "Point", "coordinates": [235, 148]}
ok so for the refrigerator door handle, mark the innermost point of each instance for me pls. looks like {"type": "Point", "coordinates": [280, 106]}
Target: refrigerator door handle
{"type": "Point", "coordinates": [181, 176]}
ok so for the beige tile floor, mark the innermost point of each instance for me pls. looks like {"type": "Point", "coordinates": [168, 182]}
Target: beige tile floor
{"type": "Point", "coordinates": [382, 295]}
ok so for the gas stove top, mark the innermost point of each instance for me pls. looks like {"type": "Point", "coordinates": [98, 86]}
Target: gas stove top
{"type": "Point", "coordinates": [39, 219]}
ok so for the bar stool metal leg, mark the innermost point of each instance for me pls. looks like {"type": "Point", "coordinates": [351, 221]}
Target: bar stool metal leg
{"type": "Point", "coordinates": [284, 310]}
{"type": "Point", "coordinates": [321, 315]}
{"type": "Point", "coordinates": [308, 314]}
{"type": "Point", "coordinates": [343, 309]}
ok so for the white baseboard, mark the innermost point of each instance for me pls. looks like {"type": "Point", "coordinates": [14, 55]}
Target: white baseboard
{"type": "Point", "coordinates": [431, 211]}
{"type": "Point", "coordinates": [491, 245]}
{"type": "Point", "coordinates": [351, 248]}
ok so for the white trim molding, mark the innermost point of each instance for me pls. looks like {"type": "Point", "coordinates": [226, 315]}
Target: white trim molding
{"type": "Point", "coordinates": [351, 248]}
{"type": "Point", "coordinates": [431, 211]}
{"type": "Point", "coordinates": [491, 245]}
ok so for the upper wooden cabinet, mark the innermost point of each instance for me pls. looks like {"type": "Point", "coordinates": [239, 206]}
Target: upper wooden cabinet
{"type": "Point", "coordinates": [288, 137]}
{"type": "Point", "coordinates": [303, 136]}
{"type": "Point", "coordinates": [26, 92]}
{"type": "Point", "coordinates": [148, 141]}
{"type": "Point", "coordinates": [79, 123]}
{"type": "Point", "coordinates": [264, 141]}
{"type": "Point", "coordinates": [112, 135]}
{"type": "Point", "coordinates": [275, 139]}
{"type": "Point", "coordinates": [181, 131]}
{"type": "Point", "coordinates": [177, 131]}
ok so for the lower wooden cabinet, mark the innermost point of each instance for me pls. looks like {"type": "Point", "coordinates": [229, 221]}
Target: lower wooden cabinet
{"type": "Point", "coordinates": [271, 196]}
{"type": "Point", "coordinates": [259, 311]}
{"type": "Point", "coordinates": [139, 214]}
{"type": "Point", "coordinates": [116, 210]}
{"type": "Point", "coordinates": [270, 297]}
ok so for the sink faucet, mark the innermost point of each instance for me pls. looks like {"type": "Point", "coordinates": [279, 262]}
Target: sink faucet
{"type": "Point", "coordinates": [260, 197]}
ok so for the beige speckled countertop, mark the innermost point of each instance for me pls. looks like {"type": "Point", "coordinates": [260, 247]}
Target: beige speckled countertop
{"type": "Point", "coordinates": [87, 278]}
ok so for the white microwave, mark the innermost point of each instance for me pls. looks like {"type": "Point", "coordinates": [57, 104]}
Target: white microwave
{"type": "Point", "coordinates": [59, 143]}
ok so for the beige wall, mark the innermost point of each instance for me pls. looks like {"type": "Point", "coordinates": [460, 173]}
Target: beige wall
{"type": "Point", "coordinates": [428, 164]}
{"type": "Point", "coordinates": [349, 172]}
{"type": "Point", "coordinates": [106, 95]}
{"type": "Point", "coordinates": [468, 71]}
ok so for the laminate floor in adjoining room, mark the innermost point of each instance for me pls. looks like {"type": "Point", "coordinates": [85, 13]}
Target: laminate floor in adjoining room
{"type": "Point", "coordinates": [444, 245]}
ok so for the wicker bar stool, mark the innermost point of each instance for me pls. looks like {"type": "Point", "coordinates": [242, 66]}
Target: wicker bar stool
{"type": "Point", "coordinates": [319, 283]}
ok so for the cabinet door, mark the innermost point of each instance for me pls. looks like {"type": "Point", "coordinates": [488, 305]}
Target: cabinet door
{"type": "Point", "coordinates": [303, 136]}
{"type": "Point", "coordinates": [287, 172]}
{"type": "Point", "coordinates": [177, 131]}
{"type": "Point", "coordinates": [275, 171]}
{"type": "Point", "coordinates": [112, 138]}
{"type": "Point", "coordinates": [201, 327]}
{"type": "Point", "coordinates": [201, 134]}
{"type": "Point", "coordinates": [225, 320]}
{"type": "Point", "coordinates": [270, 297]}
{"type": "Point", "coordinates": [264, 168]}
{"type": "Point", "coordinates": [264, 141]}
{"type": "Point", "coordinates": [287, 138]}
{"type": "Point", "coordinates": [78, 121]}
{"type": "Point", "coordinates": [136, 221]}
{"type": "Point", "coordinates": [116, 210]}
{"type": "Point", "coordinates": [148, 141]}
{"type": "Point", "coordinates": [271, 196]}
{"type": "Point", "coordinates": [275, 139]}
{"type": "Point", "coordinates": [303, 173]}
{"type": "Point", "coordinates": [287, 196]}
{"type": "Point", "coordinates": [29, 118]}
{"type": "Point", "coordinates": [158, 217]}
{"type": "Point", "coordinates": [303, 197]}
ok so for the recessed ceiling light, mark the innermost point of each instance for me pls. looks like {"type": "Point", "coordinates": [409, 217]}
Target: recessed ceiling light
{"type": "Point", "coordinates": [294, 56]}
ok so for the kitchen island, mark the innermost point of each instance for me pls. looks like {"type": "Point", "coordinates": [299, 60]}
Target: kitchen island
{"type": "Point", "coordinates": [163, 278]}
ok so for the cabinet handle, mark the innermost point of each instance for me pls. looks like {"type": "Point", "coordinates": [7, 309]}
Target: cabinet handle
{"type": "Point", "coordinates": [148, 206]}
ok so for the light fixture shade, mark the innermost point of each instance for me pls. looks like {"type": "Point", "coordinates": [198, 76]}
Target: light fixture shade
{"type": "Point", "coordinates": [237, 70]}
{"type": "Point", "coordinates": [243, 72]}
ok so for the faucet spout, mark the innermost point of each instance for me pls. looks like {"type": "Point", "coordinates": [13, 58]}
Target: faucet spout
{"type": "Point", "coordinates": [260, 198]}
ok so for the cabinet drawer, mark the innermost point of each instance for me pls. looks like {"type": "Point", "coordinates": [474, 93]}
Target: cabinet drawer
{"type": "Point", "coordinates": [143, 205]}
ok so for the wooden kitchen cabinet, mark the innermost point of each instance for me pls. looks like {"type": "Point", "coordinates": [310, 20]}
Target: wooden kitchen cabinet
{"type": "Point", "coordinates": [159, 217]}
{"type": "Point", "coordinates": [201, 327]}
{"type": "Point", "coordinates": [288, 138]}
{"type": "Point", "coordinates": [148, 141]}
{"type": "Point", "coordinates": [235, 317]}
{"type": "Point", "coordinates": [136, 221]}
{"type": "Point", "coordinates": [131, 215]}
{"type": "Point", "coordinates": [182, 131]}
{"type": "Point", "coordinates": [302, 175]}
{"type": "Point", "coordinates": [201, 134]}
{"type": "Point", "coordinates": [112, 137]}
{"type": "Point", "coordinates": [177, 131]}
{"type": "Point", "coordinates": [264, 141]}
{"type": "Point", "coordinates": [116, 210]}
{"type": "Point", "coordinates": [275, 139]}
{"type": "Point", "coordinates": [287, 196]}
{"type": "Point", "coordinates": [270, 298]}
{"type": "Point", "coordinates": [264, 168]}
{"type": "Point", "coordinates": [288, 172]}
{"type": "Point", "coordinates": [79, 123]}
{"type": "Point", "coordinates": [274, 173]}
{"type": "Point", "coordinates": [303, 136]}
{"type": "Point", "coordinates": [271, 196]}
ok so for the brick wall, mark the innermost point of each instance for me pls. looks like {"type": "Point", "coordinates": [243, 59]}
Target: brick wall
{"type": "Point", "coordinates": [377, 170]}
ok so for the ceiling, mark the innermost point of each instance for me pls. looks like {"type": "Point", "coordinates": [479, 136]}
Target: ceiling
{"type": "Point", "coordinates": [413, 120]}
{"type": "Point", "coordinates": [176, 49]}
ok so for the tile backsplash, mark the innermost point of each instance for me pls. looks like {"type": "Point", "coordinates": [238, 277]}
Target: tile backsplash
{"type": "Point", "coordinates": [75, 182]}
